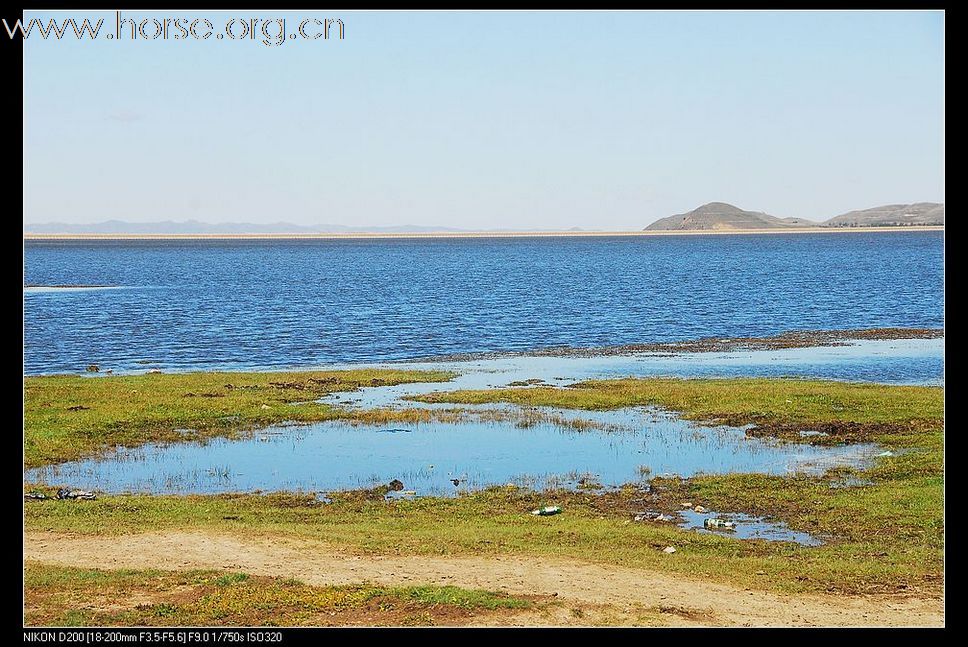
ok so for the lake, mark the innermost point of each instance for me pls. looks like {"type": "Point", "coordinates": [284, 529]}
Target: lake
{"type": "Point", "coordinates": [208, 304]}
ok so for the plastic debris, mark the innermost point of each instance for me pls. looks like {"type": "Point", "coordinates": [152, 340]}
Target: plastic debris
{"type": "Point", "coordinates": [811, 433]}
{"type": "Point", "coordinates": [64, 493]}
{"type": "Point", "coordinates": [265, 406]}
{"type": "Point", "coordinates": [34, 496]}
{"type": "Point", "coordinates": [652, 516]}
{"type": "Point", "coordinates": [721, 524]}
{"type": "Point", "coordinates": [546, 511]}
{"type": "Point", "coordinates": [668, 550]}
{"type": "Point", "coordinates": [887, 453]}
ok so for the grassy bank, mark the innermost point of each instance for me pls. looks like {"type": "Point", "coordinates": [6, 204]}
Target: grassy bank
{"type": "Point", "coordinates": [67, 417]}
{"type": "Point", "coordinates": [886, 537]}
{"type": "Point", "coordinates": [882, 537]}
{"type": "Point", "coordinates": [65, 596]}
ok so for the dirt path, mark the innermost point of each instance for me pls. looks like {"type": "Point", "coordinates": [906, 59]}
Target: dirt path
{"type": "Point", "coordinates": [686, 601]}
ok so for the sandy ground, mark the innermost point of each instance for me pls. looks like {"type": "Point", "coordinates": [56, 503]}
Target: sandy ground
{"type": "Point", "coordinates": [624, 592]}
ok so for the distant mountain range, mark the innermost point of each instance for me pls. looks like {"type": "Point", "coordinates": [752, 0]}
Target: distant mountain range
{"type": "Point", "coordinates": [195, 227]}
{"type": "Point", "coordinates": [714, 216]}
{"type": "Point", "coordinates": [719, 216]}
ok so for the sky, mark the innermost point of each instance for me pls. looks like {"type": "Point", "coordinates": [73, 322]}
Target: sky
{"type": "Point", "coordinates": [487, 120]}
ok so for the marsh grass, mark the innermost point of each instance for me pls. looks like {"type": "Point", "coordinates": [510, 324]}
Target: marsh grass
{"type": "Point", "coordinates": [67, 417]}
{"type": "Point", "coordinates": [879, 539]}
{"type": "Point", "coordinates": [885, 537]}
{"type": "Point", "coordinates": [727, 399]}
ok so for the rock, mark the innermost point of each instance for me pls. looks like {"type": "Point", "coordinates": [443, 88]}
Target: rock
{"type": "Point", "coordinates": [652, 516]}
{"type": "Point", "coordinates": [700, 509]}
{"type": "Point", "coordinates": [265, 406]}
{"type": "Point", "coordinates": [154, 371]}
{"type": "Point", "coordinates": [395, 485]}
{"type": "Point", "coordinates": [93, 368]}
{"type": "Point", "coordinates": [668, 550]}
{"type": "Point", "coordinates": [686, 505]}
{"type": "Point", "coordinates": [64, 493]}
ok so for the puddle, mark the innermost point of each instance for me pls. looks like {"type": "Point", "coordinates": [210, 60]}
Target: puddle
{"type": "Point", "coordinates": [622, 447]}
{"type": "Point", "coordinates": [747, 527]}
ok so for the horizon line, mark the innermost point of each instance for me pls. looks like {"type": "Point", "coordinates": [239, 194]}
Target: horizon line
{"type": "Point", "coordinates": [486, 234]}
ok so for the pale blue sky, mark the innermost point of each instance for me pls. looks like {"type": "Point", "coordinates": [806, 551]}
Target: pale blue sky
{"type": "Point", "coordinates": [485, 120]}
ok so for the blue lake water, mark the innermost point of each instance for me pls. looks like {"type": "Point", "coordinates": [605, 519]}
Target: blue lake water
{"type": "Point", "coordinates": [258, 304]}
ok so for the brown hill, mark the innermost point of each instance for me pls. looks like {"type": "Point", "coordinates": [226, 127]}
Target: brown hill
{"type": "Point", "coordinates": [891, 215]}
{"type": "Point", "coordinates": [719, 216]}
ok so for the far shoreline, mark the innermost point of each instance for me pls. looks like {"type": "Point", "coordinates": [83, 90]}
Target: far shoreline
{"type": "Point", "coordinates": [483, 234]}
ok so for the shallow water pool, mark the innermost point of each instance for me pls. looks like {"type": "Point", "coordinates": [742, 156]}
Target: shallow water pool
{"type": "Point", "coordinates": [549, 448]}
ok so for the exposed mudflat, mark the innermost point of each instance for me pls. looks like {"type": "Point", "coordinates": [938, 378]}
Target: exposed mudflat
{"type": "Point", "coordinates": [794, 339]}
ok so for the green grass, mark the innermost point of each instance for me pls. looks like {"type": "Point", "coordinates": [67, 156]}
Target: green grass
{"type": "Point", "coordinates": [753, 400]}
{"type": "Point", "coordinates": [67, 417]}
{"type": "Point", "coordinates": [881, 538]}
{"type": "Point", "coordinates": [67, 596]}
